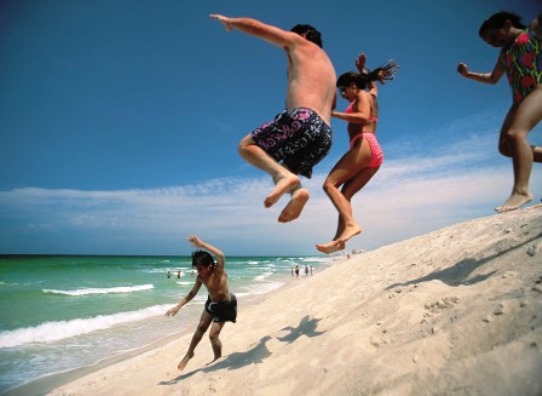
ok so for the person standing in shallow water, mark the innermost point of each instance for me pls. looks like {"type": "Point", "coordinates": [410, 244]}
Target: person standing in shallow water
{"type": "Point", "coordinates": [299, 137]}
{"type": "Point", "coordinates": [221, 305]}
{"type": "Point", "coordinates": [521, 58]}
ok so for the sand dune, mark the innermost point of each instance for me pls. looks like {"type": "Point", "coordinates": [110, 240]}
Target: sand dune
{"type": "Point", "coordinates": [454, 312]}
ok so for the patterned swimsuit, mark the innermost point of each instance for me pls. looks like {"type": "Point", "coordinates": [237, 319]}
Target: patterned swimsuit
{"type": "Point", "coordinates": [298, 139]}
{"type": "Point", "coordinates": [523, 63]}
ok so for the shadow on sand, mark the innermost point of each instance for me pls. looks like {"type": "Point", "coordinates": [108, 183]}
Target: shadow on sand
{"type": "Point", "coordinates": [459, 274]}
{"type": "Point", "coordinates": [256, 354]}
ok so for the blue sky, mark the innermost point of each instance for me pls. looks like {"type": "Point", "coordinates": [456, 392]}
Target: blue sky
{"type": "Point", "coordinates": [120, 121]}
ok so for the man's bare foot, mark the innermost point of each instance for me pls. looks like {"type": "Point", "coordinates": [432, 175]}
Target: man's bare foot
{"type": "Point", "coordinates": [283, 185]}
{"type": "Point", "coordinates": [349, 232]}
{"type": "Point", "coordinates": [330, 247]}
{"type": "Point", "coordinates": [184, 362]}
{"type": "Point", "coordinates": [514, 202]}
{"type": "Point", "coordinates": [295, 206]}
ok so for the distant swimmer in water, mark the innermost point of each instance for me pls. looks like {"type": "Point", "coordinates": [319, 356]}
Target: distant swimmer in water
{"type": "Point", "coordinates": [221, 305]}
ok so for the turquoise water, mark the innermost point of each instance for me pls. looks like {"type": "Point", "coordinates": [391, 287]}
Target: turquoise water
{"type": "Point", "coordinates": [59, 313]}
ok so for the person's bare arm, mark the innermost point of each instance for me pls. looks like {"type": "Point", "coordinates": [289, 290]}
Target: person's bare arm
{"type": "Point", "coordinates": [269, 33]}
{"type": "Point", "coordinates": [184, 300]}
{"type": "Point", "coordinates": [487, 78]}
{"type": "Point", "coordinates": [361, 111]}
{"type": "Point", "coordinates": [220, 258]}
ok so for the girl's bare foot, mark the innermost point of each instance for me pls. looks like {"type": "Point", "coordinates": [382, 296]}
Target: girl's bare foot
{"type": "Point", "coordinates": [184, 362]}
{"type": "Point", "coordinates": [283, 185]}
{"type": "Point", "coordinates": [295, 206]}
{"type": "Point", "coordinates": [349, 232]}
{"type": "Point", "coordinates": [330, 247]}
{"type": "Point", "coordinates": [514, 202]}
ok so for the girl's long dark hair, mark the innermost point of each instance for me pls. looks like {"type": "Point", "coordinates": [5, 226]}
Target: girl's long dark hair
{"type": "Point", "coordinates": [497, 21]}
{"type": "Point", "coordinates": [386, 71]}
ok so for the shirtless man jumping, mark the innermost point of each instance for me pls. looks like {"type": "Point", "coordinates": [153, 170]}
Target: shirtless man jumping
{"type": "Point", "coordinates": [299, 137]}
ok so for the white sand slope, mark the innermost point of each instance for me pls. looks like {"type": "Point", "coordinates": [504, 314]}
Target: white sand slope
{"type": "Point", "coordinates": [454, 312]}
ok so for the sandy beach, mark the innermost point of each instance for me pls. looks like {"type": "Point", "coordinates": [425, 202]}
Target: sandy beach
{"type": "Point", "coordinates": [455, 312]}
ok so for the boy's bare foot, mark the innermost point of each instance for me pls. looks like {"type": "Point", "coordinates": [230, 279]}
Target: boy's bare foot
{"type": "Point", "coordinates": [295, 206]}
{"type": "Point", "coordinates": [184, 362]}
{"type": "Point", "coordinates": [330, 247]}
{"type": "Point", "coordinates": [349, 232]}
{"type": "Point", "coordinates": [514, 202]}
{"type": "Point", "coordinates": [282, 185]}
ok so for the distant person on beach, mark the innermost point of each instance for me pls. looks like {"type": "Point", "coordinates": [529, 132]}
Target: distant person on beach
{"type": "Point", "coordinates": [364, 157]}
{"type": "Point", "coordinates": [300, 136]}
{"type": "Point", "coordinates": [221, 305]}
{"type": "Point", "coordinates": [521, 58]}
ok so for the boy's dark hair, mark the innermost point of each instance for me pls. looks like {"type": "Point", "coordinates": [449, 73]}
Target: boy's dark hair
{"type": "Point", "coordinates": [497, 21]}
{"type": "Point", "coordinates": [310, 33]}
{"type": "Point", "coordinates": [362, 80]}
{"type": "Point", "coordinates": [201, 257]}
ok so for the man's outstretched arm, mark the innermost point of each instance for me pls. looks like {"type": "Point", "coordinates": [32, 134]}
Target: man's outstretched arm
{"type": "Point", "coordinates": [269, 33]}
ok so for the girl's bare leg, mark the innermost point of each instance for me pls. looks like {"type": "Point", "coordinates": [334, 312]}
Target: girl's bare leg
{"type": "Point", "coordinates": [518, 123]}
{"type": "Point", "coordinates": [344, 171]}
{"type": "Point", "coordinates": [349, 189]}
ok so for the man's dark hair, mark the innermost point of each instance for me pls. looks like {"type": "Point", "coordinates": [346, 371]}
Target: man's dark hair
{"type": "Point", "coordinates": [201, 257]}
{"type": "Point", "coordinates": [309, 32]}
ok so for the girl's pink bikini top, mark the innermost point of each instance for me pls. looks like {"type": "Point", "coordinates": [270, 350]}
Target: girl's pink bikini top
{"type": "Point", "coordinates": [372, 118]}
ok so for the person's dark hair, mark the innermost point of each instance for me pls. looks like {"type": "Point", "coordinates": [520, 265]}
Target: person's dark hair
{"type": "Point", "coordinates": [497, 21]}
{"type": "Point", "coordinates": [385, 71]}
{"type": "Point", "coordinates": [201, 257]}
{"type": "Point", "coordinates": [310, 33]}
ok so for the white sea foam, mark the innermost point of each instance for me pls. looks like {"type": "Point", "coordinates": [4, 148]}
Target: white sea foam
{"type": "Point", "coordinates": [54, 331]}
{"type": "Point", "coordinates": [262, 277]}
{"type": "Point", "coordinates": [108, 290]}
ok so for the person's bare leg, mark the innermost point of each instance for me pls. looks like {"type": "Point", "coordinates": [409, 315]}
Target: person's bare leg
{"type": "Point", "coordinates": [295, 206]}
{"type": "Point", "coordinates": [214, 334]}
{"type": "Point", "coordinates": [342, 173]}
{"type": "Point", "coordinates": [344, 233]}
{"type": "Point", "coordinates": [520, 122]}
{"type": "Point", "coordinates": [203, 325]}
{"type": "Point", "coordinates": [284, 179]}
{"type": "Point", "coordinates": [349, 189]}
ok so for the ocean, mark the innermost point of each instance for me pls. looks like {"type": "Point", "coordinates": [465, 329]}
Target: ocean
{"type": "Point", "coordinates": [60, 313]}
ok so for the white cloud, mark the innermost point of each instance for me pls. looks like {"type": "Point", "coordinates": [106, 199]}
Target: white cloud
{"type": "Point", "coordinates": [417, 190]}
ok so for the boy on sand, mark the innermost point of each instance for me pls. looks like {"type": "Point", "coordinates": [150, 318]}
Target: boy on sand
{"type": "Point", "coordinates": [299, 137]}
{"type": "Point", "coordinates": [221, 305]}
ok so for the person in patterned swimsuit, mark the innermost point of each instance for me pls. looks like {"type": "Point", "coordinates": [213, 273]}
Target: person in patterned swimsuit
{"type": "Point", "coordinates": [521, 58]}
{"type": "Point", "coordinates": [299, 137]}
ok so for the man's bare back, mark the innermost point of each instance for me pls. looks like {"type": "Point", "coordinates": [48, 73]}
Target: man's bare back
{"type": "Point", "coordinates": [311, 79]}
